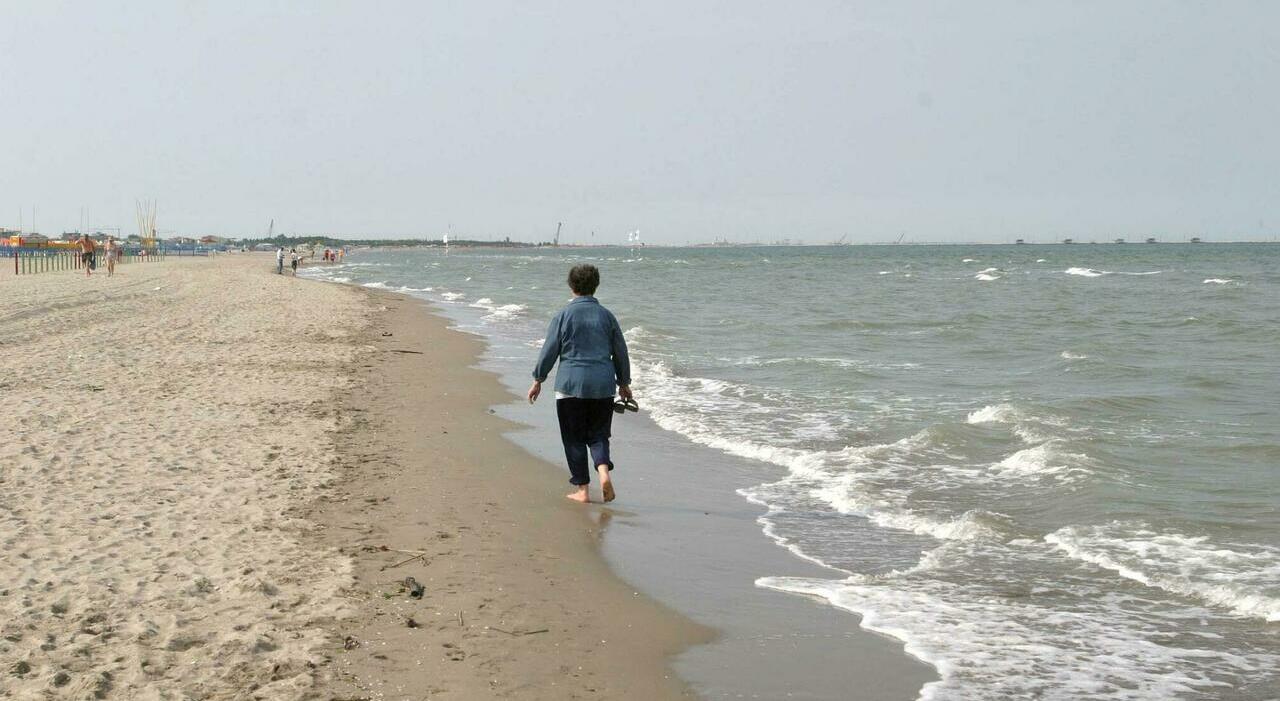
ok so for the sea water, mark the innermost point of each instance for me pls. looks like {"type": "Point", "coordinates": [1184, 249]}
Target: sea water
{"type": "Point", "coordinates": [1051, 471]}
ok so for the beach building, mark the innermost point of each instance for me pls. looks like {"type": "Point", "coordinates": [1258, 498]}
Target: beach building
{"type": "Point", "coordinates": [31, 240]}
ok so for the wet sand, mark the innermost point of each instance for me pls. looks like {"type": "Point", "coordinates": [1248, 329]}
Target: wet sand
{"type": "Point", "coordinates": [518, 601]}
{"type": "Point", "coordinates": [682, 534]}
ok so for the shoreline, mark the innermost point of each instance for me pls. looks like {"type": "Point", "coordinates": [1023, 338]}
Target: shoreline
{"type": "Point", "coordinates": [767, 643]}
{"type": "Point", "coordinates": [206, 488]}
{"type": "Point", "coordinates": [519, 600]}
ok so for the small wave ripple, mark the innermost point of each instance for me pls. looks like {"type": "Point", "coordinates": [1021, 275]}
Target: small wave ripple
{"type": "Point", "coordinates": [1244, 580]}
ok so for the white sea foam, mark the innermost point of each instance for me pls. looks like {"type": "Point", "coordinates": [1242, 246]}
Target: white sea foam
{"type": "Point", "coordinates": [756, 361]}
{"type": "Point", "coordinates": [504, 312]}
{"type": "Point", "coordinates": [996, 413]}
{"type": "Point", "coordinates": [377, 285]}
{"type": "Point", "coordinates": [884, 272]}
{"type": "Point", "coordinates": [685, 404]}
{"type": "Point", "coordinates": [1068, 355]}
{"type": "Point", "coordinates": [1090, 272]}
{"type": "Point", "coordinates": [452, 296]}
{"type": "Point", "coordinates": [1040, 260]}
{"type": "Point", "coordinates": [1217, 281]}
{"type": "Point", "coordinates": [1244, 580]}
{"type": "Point", "coordinates": [969, 260]}
{"type": "Point", "coordinates": [843, 492]}
{"type": "Point", "coordinates": [1030, 428]}
{"type": "Point", "coordinates": [498, 312]}
{"type": "Point", "coordinates": [994, 648]}
{"type": "Point", "coordinates": [985, 277]}
{"type": "Point", "coordinates": [1045, 460]}
{"type": "Point", "coordinates": [340, 279]}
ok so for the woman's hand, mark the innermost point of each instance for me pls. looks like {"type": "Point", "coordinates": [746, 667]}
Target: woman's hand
{"type": "Point", "coordinates": [624, 391]}
{"type": "Point", "coordinates": [534, 390]}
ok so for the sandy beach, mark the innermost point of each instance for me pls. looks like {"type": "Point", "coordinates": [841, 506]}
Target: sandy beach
{"type": "Point", "coordinates": [201, 465]}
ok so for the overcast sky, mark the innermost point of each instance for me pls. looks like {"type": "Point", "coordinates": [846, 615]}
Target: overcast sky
{"type": "Point", "coordinates": [962, 121]}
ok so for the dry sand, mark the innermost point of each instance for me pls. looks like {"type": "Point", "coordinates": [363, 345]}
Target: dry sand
{"type": "Point", "coordinates": [161, 428]}
{"type": "Point", "coordinates": [166, 436]}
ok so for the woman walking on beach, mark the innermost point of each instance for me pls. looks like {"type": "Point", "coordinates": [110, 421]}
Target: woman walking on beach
{"type": "Point", "coordinates": [113, 252]}
{"type": "Point", "coordinates": [587, 341]}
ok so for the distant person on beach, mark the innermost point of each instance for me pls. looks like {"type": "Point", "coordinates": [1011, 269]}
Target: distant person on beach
{"type": "Point", "coordinates": [87, 253]}
{"type": "Point", "coordinates": [280, 261]}
{"type": "Point", "coordinates": [587, 341]}
{"type": "Point", "coordinates": [293, 260]}
{"type": "Point", "coordinates": [113, 250]}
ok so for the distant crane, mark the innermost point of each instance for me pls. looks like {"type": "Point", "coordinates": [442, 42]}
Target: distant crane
{"type": "Point", "coordinates": [900, 237]}
{"type": "Point", "coordinates": [841, 241]}
{"type": "Point", "coordinates": [557, 240]}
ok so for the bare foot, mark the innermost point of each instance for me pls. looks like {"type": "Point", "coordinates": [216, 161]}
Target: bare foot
{"type": "Point", "coordinates": [579, 495]}
{"type": "Point", "coordinates": [606, 484]}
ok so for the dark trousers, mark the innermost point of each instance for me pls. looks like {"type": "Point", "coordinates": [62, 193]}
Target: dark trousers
{"type": "Point", "coordinates": [585, 425]}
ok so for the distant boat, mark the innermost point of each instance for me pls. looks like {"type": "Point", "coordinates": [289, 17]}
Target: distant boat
{"type": "Point", "coordinates": [1151, 240]}
{"type": "Point", "coordinates": [1019, 242]}
{"type": "Point", "coordinates": [1119, 240]}
{"type": "Point", "coordinates": [1195, 239]}
{"type": "Point", "coordinates": [1068, 240]}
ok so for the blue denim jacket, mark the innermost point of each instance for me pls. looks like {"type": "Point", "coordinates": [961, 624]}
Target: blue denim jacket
{"type": "Point", "coordinates": [586, 339]}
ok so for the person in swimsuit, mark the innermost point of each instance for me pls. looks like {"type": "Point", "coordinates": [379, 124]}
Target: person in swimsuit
{"type": "Point", "coordinates": [87, 253]}
{"type": "Point", "coordinates": [113, 252]}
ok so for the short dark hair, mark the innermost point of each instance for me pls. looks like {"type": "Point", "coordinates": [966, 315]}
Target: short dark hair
{"type": "Point", "coordinates": [584, 279]}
